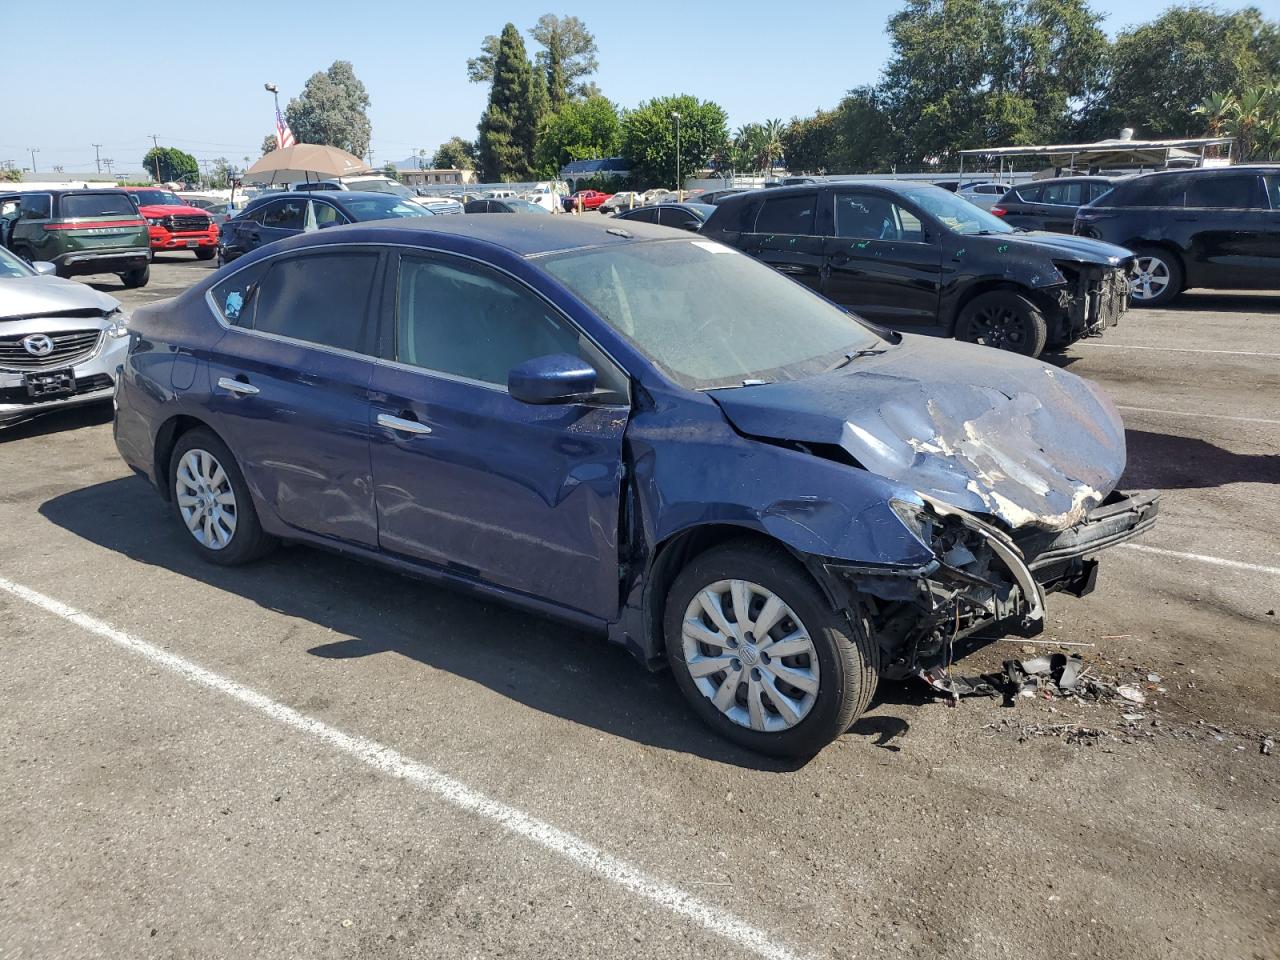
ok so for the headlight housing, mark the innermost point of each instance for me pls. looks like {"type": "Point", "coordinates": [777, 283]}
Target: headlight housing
{"type": "Point", "coordinates": [117, 324]}
{"type": "Point", "coordinates": [155, 221]}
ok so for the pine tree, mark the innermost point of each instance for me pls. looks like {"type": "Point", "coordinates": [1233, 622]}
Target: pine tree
{"type": "Point", "coordinates": [509, 125]}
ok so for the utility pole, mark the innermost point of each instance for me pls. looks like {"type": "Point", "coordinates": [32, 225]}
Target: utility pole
{"type": "Point", "coordinates": [155, 139]}
{"type": "Point", "coordinates": [34, 151]}
{"type": "Point", "coordinates": [679, 192]}
{"type": "Point", "coordinates": [97, 157]}
{"type": "Point", "coordinates": [108, 161]}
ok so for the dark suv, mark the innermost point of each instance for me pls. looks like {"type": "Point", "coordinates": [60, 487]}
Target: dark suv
{"type": "Point", "coordinates": [1050, 204]}
{"type": "Point", "coordinates": [78, 231]}
{"type": "Point", "coordinates": [1217, 227]}
{"type": "Point", "coordinates": [916, 257]}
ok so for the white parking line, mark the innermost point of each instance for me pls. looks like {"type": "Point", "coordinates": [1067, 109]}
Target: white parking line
{"type": "Point", "coordinates": [1197, 414]}
{"type": "Point", "coordinates": [396, 765]}
{"type": "Point", "coordinates": [1201, 558]}
{"type": "Point", "coordinates": [1130, 346]}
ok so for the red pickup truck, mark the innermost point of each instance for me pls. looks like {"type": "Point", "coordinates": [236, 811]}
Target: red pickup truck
{"type": "Point", "coordinates": [174, 225]}
{"type": "Point", "coordinates": [589, 199]}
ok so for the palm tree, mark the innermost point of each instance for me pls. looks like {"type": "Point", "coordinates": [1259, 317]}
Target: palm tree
{"type": "Point", "coordinates": [771, 146]}
{"type": "Point", "coordinates": [1252, 117]}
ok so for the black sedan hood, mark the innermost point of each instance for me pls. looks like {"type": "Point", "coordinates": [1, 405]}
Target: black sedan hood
{"type": "Point", "coordinates": [1065, 246]}
{"type": "Point", "coordinates": [978, 428]}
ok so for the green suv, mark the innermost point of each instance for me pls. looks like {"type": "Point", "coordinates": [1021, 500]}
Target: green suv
{"type": "Point", "coordinates": [78, 231]}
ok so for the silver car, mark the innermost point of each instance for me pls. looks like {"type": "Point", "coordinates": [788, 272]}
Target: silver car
{"type": "Point", "coordinates": [61, 341]}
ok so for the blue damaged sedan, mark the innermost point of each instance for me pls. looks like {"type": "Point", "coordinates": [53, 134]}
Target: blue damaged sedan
{"type": "Point", "coordinates": [640, 432]}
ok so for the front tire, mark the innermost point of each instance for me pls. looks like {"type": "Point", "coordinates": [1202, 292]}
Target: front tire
{"type": "Point", "coordinates": [1005, 320]}
{"type": "Point", "coordinates": [761, 656]}
{"type": "Point", "coordinates": [212, 501]}
{"type": "Point", "coordinates": [1157, 277]}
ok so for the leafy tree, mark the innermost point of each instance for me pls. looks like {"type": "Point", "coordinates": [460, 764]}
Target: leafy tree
{"type": "Point", "coordinates": [1162, 70]}
{"type": "Point", "coordinates": [1252, 117]}
{"type": "Point", "coordinates": [220, 174]}
{"type": "Point", "coordinates": [171, 163]}
{"type": "Point", "coordinates": [568, 55]}
{"type": "Point", "coordinates": [508, 126]}
{"type": "Point", "coordinates": [10, 175]}
{"type": "Point", "coordinates": [455, 154]}
{"type": "Point", "coordinates": [747, 147]}
{"type": "Point", "coordinates": [812, 144]}
{"type": "Point", "coordinates": [579, 130]}
{"type": "Point", "coordinates": [389, 170]}
{"type": "Point", "coordinates": [332, 110]}
{"type": "Point", "coordinates": [269, 143]}
{"type": "Point", "coordinates": [649, 137]}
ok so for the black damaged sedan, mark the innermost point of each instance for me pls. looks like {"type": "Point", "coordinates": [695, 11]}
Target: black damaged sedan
{"type": "Point", "coordinates": [917, 258]}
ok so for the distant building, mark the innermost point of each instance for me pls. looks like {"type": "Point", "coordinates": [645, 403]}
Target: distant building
{"type": "Point", "coordinates": [412, 175]}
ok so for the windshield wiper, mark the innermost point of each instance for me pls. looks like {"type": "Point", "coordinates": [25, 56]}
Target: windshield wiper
{"type": "Point", "coordinates": [848, 358]}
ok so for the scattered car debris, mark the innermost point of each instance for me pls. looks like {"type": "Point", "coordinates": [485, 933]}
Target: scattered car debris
{"type": "Point", "coordinates": [1131, 693]}
{"type": "Point", "coordinates": [1266, 746]}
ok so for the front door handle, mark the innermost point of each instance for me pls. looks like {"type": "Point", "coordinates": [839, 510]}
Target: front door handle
{"type": "Point", "coordinates": [401, 424]}
{"type": "Point", "coordinates": [239, 387]}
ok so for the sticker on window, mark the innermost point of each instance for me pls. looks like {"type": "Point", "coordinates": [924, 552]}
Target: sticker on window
{"type": "Point", "coordinates": [712, 247]}
{"type": "Point", "coordinates": [234, 304]}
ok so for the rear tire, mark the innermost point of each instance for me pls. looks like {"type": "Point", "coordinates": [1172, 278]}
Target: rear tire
{"type": "Point", "coordinates": [212, 501]}
{"type": "Point", "coordinates": [737, 687]}
{"type": "Point", "coordinates": [205, 253]}
{"type": "Point", "coordinates": [133, 279]}
{"type": "Point", "coordinates": [1005, 320]}
{"type": "Point", "coordinates": [1157, 277]}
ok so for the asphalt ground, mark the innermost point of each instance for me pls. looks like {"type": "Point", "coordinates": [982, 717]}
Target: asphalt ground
{"type": "Point", "coordinates": [311, 757]}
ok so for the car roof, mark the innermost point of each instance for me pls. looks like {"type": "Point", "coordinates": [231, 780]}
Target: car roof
{"type": "Point", "coordinates": [523, 234]}
{"type": "Point", "coordinates": [1209, 171]}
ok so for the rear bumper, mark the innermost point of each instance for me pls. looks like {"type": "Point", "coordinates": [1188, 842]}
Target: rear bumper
{"type": "Point", "coordinates": [102, 261]}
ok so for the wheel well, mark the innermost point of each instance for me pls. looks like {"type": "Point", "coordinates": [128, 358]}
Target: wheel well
{"type": "Point", "coordinates": [1170, 249]}
{"type": "Point", "coordinates": [989, 286]}
{"type": "Point", "coordinates": [674, 554]}
{"type": "Point", "coordinates": [166, 439]}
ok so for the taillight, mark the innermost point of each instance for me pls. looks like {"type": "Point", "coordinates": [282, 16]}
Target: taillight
{"type": "Point", "coordinates": [998, 211]}
{"type": "Point", "coordinates": [95, 226]}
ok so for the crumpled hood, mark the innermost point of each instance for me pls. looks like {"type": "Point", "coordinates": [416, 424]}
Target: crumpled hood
{"type": "Point", "coordinates": [24, 296]}
{"type": "Point", "coordinates": [978, 428]}
{"type": "Point", "coordinates": [1065, 246]}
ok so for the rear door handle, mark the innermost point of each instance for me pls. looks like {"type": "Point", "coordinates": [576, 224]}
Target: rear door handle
{"type": "Point", "coordinates": [789, 268]}
{"type": "Point", "coordinates": [237, 386]}
{"type": "Point", "coordinates": [401, 424]}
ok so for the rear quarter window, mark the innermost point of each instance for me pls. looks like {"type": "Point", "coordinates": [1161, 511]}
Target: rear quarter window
{"type": "Point", "coordinates": [1238, 191]}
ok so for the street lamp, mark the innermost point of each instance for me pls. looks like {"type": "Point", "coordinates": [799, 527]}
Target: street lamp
{"type": "Point", "coordinates": [272, 89]}
{"type": "Point", "coordinates": [34, 151]}
{"type": "Point", "coordinates": [679, 192]}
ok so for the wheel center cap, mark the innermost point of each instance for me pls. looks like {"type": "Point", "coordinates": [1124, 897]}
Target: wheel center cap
{"type": "Point", "coordinates": [748, 654]}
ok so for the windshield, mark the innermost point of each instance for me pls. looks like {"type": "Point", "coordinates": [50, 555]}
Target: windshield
{"type": "Point", "coordinates": [956, 212]}
{"type": "Point", "coordinates": [11, 268]}
{"type": "Point", "coordinates": [383, 208]}
{"type": "Point", "coordinates": [379, 185]}
{"type": "Point", "coordinates": [75, 205]}
{"type": "Point", "coordinates": [158, 198]}
{"type": "Point", "coordinates": [709, 316]}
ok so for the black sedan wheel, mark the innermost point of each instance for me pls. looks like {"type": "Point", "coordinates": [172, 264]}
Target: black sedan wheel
{"type": "Point", "coordinates": [760, 655]}
{"type": "Point", "coordinates": [1005, 320]}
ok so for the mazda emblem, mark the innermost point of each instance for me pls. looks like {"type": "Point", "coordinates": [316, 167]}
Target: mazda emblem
{"type": "Point", "coordinates": [38, 345]}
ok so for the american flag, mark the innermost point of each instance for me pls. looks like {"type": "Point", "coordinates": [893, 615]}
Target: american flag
{"type": "Point", "coordinates": [284, 136]}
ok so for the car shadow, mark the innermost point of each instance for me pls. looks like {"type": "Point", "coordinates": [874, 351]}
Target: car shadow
{"type": "Point", "coordinates": [1209, 300]}
{"type": "Point", "coordinates": [535, 661]}
{"type": "Point", "coordinates": [56, 421]}
{"type": "Point", "coordinates": [1171, 462]}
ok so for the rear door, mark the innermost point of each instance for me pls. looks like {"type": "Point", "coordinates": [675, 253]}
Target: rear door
{"type": "Point", "coordinates": [785, 236]}
{"type": "Point", "coordinates": [472, 480]}
{"type": "Point", "coordinates": [883, 261]}
{"type": "Point", "coordinates": [1058, 204]}
{"type": "Point", "coordinates": [1021, 207]}
{"type": "Point", "coordinates": [289, 385]}
{"type": "Point", "coordinates": [1235, 240]}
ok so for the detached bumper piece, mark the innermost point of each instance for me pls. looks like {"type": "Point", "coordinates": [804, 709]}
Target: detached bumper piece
{"type": "Point", "coordinates": [984, 578]}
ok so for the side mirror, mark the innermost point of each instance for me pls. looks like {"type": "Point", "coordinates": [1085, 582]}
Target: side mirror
{"type": "Point", "coordinates": [556, 378]}
{"type": "Point", "coordinates": [44, 268]}
{"type": "Point", "coordinates": [694, 225]}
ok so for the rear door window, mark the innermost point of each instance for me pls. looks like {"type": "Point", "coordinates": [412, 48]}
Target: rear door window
{"type": "Point", "coordinates": [791, 214]}
{"type": "Point", "coordinates": [645, 216]}
{"type": "Point", "coordinates": [1237, 191]}
{"type": "Point", "coordinates": [1028, 194]}
{"type": "Point", "coordinates": [1098, 188]}
{"type": "Point", "coordinates": [1273, 190]}
{"type": "Point", "coordinates": [39, 206]}
{"type": "Point", "coordinates": [1070, 194]}
{"type": "Point", "coordinates": [321, 298]}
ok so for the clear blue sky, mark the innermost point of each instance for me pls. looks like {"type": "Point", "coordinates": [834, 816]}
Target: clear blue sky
{"type": "Point", "coordinates": [194, 76]}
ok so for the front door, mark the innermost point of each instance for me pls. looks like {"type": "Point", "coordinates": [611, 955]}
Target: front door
{"type": "Point", "coordinates": [883, 262]}
{"type": "Point", "coordinates": [472, 480]}
{"type": "Point", "coordinates": [289, 387]}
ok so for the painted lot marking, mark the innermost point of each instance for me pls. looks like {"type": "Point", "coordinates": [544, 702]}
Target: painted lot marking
{"type": "Point", "coordinates": [394, 764]}
{"type": "Point", "coordinates": [1128, 346]}
{"type": "Point", "coordinates": [1201, 558]}
{"type": "Point", "coordinates": [1196, 414]}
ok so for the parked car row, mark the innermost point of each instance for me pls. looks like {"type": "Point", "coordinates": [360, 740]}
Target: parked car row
{"type": "Point", "coordinates": [646, 434]}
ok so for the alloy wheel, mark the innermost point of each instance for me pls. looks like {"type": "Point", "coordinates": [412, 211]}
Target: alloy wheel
{"type": "Point", "coordinates": [749, 654]}
{"type": "Point", "coordinates": [1150, 278]}
{"type": "Point", "coordinates": [206, 499]}
{"type": "Point", "coordinates": [997, 326]}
